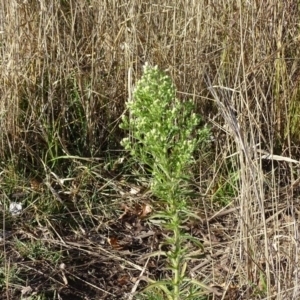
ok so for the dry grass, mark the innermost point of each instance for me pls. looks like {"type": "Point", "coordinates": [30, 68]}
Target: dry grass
{"type": "Point", "coordinates": [67, 68]}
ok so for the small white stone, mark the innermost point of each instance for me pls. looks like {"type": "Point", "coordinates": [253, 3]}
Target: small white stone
{"type": "Point", "coordinates": [15, 208]}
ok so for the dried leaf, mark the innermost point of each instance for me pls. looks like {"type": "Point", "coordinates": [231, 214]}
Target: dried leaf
{"type": "Point", "coordinates": [123, 280]}
{"type": "Point", "coordinates": [26, 290]}
{"type": "Point", "coordinates": [127, 210]}
{"type": "Point", "coordinates": [113, 241]}
{"type": "Point", "coordinates": [134, 191]}
{"type": "Point", "coordinates": [35, 185]}
{"type": "Point", "coordinates": [134, 279]}
{"type": "Point", "coordinates": [146, 210]}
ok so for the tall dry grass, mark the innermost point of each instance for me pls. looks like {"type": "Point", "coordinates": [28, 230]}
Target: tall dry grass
{"type": "Point", "coordinates": [66, 67]}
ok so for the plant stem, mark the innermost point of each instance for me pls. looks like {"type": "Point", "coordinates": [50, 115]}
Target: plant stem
{"type": "Point", "coordinates": [177, 259]}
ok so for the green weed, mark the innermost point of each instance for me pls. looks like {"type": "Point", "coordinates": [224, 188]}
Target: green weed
{"type": "Point", "coordinates": [163, 136]}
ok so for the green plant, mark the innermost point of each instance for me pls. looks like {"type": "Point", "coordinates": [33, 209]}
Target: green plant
{"type": "Point", "coordinates": [8, 273]}
{"type": "Point", "coordinates": [36, 251]}
{"type": "Point", "coordinates": [163, 136]}
{"type": "Point", "coordinates": [227, 189]}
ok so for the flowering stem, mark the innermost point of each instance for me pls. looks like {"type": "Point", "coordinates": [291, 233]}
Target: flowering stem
{"type": "Point", "coordinates": [161, 129]}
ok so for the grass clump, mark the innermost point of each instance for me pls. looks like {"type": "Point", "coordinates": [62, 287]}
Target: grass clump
{"type": "Point", "coordinates": [163, 135]}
